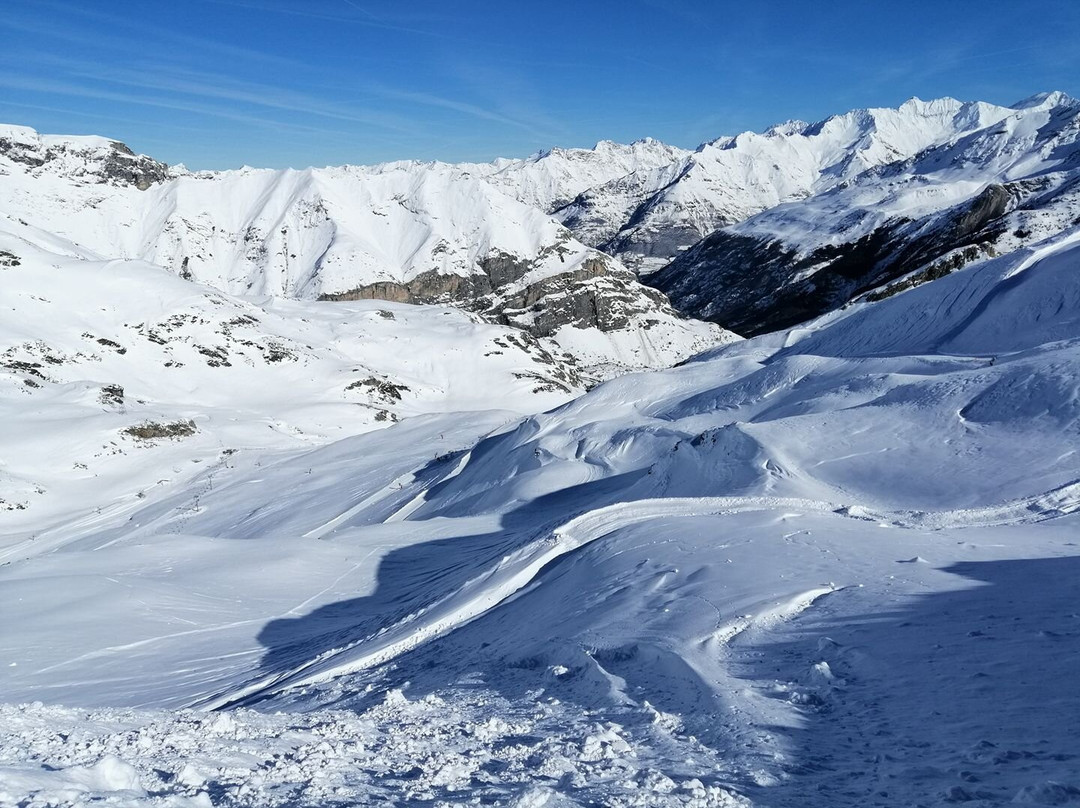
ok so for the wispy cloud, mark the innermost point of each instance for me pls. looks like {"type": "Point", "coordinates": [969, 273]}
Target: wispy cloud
{"type": "Point", "coordinates": [110, 118]}
{"type": "Point", "coordinates": [464, 107]}
{"type": "Point", "coordinates": [54, 26]}
{"type": "Point", "coordinates": [83, 90]}
{"type": "Point", "coordinates": [311, 11]}
{"type": "Point", "coordinates": [271, 97]}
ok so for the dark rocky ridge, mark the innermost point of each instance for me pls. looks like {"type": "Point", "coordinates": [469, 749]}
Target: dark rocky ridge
{"type": "Point", "coordinates": [122, 165]}
{"type": "Point", "coordinates": [431, 287]}
{"type": "Point", "coordinates": [748, 284]}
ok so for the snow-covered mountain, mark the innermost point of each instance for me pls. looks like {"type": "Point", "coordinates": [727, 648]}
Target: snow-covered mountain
{"type": "Point", "coordinates": [985, 182]}
{"type": "Point", "coordinates": [764, 230]}
{"type": "Point", "coordinates": [650, 215]}
{"type": "Point", "coordinates": [406, 232]}
{"type": "Point", "coordinates": [553, 178]}
{"type": "Point", "coordinates": [754, 232]}
{"type": "Point", "coordinates": [838, 559]}
{"type": "Point", "coordinates": [261, 548]}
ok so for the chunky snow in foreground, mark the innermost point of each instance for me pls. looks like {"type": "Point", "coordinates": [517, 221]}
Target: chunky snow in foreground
{"type": "Point", "coordinates": [833, 565]}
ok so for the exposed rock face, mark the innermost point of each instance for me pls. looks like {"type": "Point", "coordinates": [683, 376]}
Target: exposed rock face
{"type": "Point", "coordinates": [428, 287]}
{"type": "Point", "coordinates": [593, 296]}
{"type": "Point", "coordinates": [753, 285]}
{"type": "Point", "coordinates": [599, 294]}
{"type": "Point", "coordinates": [504, 268]}
{"type": "Point", "coordinates": [123, 166]}
{"type": "Point", "coordinates": [98, 159]}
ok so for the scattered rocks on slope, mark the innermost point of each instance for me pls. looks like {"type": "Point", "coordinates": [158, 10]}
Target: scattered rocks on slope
{"type": "Point", "coordinates": [152, 430]}
{"type": "Point", "coordinates": [112, 395]}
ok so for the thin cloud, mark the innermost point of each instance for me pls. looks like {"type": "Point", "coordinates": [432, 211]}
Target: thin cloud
{"type": "Point", "coordinates": [110, 118]}
{"type": "Point", "coordinates": [76, 90]}
{"type": "Point", "coordinates": [463, 107]}
{"type": "Point", "coordinates": [204, 85]}
{"type": "Point", "coordinates": [370, 20]}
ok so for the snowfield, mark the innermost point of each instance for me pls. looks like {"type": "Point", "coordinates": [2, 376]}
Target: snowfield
{"type": "Point", "coordinates": [258, 549]}
{"type": "Point", "coordinates": [830, 566]}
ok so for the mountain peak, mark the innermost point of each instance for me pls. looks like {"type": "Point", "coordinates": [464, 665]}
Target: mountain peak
{"type": "Point", "coordinates": [790, 127]}
{"type": "Point", "coordinates": [1055, 98]}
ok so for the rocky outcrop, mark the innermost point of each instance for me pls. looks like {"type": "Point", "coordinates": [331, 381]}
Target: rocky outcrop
{"type": "Point", "coordinates": [753, 285]}
{"type": "Point", "coordinates": [98, 159]}
{"type": "Point", "coordinates": [122, 166]}
{"type": "Point", "coordinates": [428, 287]}
{"type": "Point", "coordinates": [595, 295]}
{"type": "Point", "coordinates": [503, 268]}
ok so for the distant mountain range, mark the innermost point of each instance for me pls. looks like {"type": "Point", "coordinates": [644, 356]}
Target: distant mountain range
{"type": "Point", "coordinates": [752, 232]}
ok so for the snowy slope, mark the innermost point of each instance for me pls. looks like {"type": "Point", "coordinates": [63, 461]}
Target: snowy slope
{"type": "Point", "coordinates": [92, 349]}
{"type": "Point", "coordinates": [830, 565]}
{"type": "Point", "coordinates": [651, 216]}
{"type": "Point", "coordinates": [996, 180]}
{"type": "Point", "coordinates": [407, 232]}
{"type": "Point", "coordinates": [551, 179]}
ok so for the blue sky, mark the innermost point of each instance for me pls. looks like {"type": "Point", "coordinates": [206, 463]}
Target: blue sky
{"type": "Point", "coordinates": [220, 83]}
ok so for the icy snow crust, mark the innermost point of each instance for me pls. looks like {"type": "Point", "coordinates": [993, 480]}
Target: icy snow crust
{"type": "Point", "coordinates": [833, 565]}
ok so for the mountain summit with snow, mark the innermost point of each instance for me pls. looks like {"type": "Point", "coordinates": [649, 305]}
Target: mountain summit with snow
{"type": "Point", "coordinates": [920, 191]}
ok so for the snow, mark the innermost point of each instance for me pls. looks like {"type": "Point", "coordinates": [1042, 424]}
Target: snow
{"type": "Point", "coordinates": [332, 231]}
{"type": "Point", "coordinates": [833, 565]}
{"type": "Point", "coordinates": [250, 374]}
{"type": "Point", "coordinates": [943, 166]}
{"type": "Point", "coordinates": [646, 216]}
{"type": "Point", "coordinates": [551, 179]}
{"type": "Point", "coordinates": [831, 561]}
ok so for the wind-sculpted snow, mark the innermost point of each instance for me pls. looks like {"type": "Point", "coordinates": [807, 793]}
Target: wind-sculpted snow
{"type": "Point", "coordinates": [1029, 298]}
{"type": "Point", "coordinates": [835, 560]}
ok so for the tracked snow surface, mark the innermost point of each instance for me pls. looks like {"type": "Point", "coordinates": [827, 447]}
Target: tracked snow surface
{"type": "Point", "coordinates": [832, 565]}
